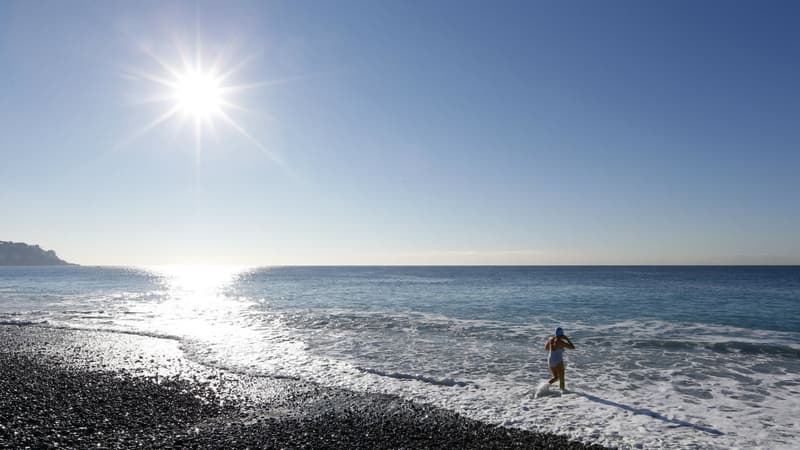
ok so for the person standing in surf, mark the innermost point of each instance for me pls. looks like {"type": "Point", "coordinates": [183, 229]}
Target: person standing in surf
{"type": "Point", "coordinates": [556, 345]}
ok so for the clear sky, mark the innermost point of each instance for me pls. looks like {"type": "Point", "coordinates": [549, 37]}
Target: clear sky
{"type": "Point", "coordinates": [403, 132]}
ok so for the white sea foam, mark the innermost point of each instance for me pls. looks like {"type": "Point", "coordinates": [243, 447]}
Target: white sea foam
{"type": "Point", "coordinates": [542, 390]}
{"type": "Point", "coordinates": [645, 383]}
{"type": "Point", "coordinates": [619, 394]}
{"type": "Point", "coordinates": [631, 383]}
{"type": "Point", "coordinates": [626, 386]}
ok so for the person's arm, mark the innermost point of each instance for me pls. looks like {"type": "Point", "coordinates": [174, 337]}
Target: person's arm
{"type": "Point", "coordinates": [548, 344]}
{"type": "Point", "coordinates": [569, 343]}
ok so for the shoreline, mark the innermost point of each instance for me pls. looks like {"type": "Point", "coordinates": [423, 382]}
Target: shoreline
{"type": "Point", "coordinates": [78, 389]}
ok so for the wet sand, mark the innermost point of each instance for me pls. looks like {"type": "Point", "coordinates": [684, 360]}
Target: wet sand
{"type": "Point", "coordinates": [86, 389]}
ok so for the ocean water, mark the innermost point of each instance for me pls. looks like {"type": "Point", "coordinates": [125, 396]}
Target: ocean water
{"type": "Point", "coordinates": [690, 357]}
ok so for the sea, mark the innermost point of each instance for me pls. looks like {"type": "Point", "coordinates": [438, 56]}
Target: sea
{"type": "Point", "coordinates": [665, 357]}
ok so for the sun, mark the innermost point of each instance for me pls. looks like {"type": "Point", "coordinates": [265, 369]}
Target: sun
{"type": "Point", "coordinates": [194, 92]}
{"type": "Point", "coordinates": [200, 91]}
{"type": "Point", "coordinates": [198, 94]}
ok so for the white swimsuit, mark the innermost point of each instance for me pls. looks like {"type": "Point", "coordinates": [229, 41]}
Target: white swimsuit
{"type": "Point", "coordinates": [556, 357]}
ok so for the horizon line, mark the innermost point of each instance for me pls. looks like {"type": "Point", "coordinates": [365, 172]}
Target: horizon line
{"type": "Point", "coordinates": [206, 264]}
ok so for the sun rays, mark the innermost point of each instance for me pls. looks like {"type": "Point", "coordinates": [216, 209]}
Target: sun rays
{"type": "Point", "coordinates": [199, 94]}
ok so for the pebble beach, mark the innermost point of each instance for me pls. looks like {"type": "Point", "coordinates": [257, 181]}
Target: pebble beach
{"type": "Point", "coordinates": [87, 389]}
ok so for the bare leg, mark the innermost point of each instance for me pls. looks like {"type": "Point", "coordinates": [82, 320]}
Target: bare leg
{"type": "Point", "coordinates": [554, 371]}
{"type": "Point", "coordinates": [561, 376]}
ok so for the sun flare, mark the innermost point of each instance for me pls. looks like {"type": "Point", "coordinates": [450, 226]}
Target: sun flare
{"type": "Point", "coordinates": [194, 92]}
{"type": "Point", "coordinates": [199, 91]}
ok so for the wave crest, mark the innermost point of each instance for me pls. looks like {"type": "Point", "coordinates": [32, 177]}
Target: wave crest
{"type": "Point", "coordinates": [425, 379]}
{"type": "Point", "coordinates": [750, 348]}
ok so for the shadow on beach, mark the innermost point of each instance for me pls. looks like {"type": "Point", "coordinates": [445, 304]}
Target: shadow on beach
{"type": "Point", "coordinates": [649, 412]}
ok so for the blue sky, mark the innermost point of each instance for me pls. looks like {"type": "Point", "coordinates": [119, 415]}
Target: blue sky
{"type": "Point", "coordinates": [406, 133]}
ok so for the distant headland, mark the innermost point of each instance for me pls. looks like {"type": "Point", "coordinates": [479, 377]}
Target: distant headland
{"type": "Point", "coordinates": [21, 254]}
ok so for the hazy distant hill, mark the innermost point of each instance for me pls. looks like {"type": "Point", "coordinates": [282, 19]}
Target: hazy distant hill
{"type": "Point", "coordinates": [21, 254]}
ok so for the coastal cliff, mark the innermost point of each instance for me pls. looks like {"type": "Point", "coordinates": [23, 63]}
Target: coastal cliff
{"type": "Point", "coordinates": [21, 254]}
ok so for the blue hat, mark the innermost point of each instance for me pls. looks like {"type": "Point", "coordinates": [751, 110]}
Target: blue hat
{"type": "Point", "coordinates": [559, 331]}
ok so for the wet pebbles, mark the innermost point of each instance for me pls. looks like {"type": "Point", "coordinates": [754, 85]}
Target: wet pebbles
{"type": "Point", "coordinates": [70, 389]}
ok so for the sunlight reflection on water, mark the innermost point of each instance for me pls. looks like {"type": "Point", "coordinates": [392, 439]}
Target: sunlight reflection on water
{"type": "Point", "coordinates": [195, 304]}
